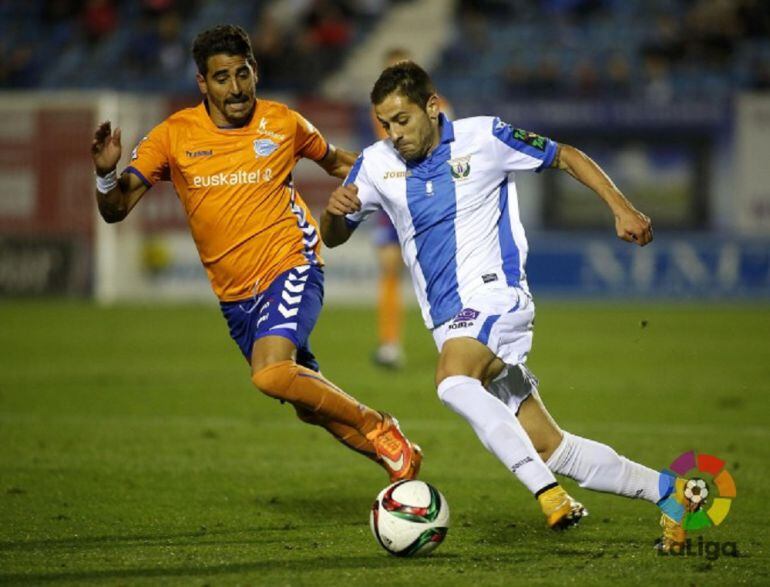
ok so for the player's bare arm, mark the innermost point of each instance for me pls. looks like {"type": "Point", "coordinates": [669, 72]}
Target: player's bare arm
{"type": "Point", "coordinates": [334, 228]}
{"type": "Point", "coordinates": [630, 224]}
{"type": "Point", "coordinates": [115, 196]}
{"type": "Point", "coordinates": [338, 162]}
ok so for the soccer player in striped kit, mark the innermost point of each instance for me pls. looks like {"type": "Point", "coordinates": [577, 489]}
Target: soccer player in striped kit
{"type": "Point", "coordinates": [231, 160]}
{"type": "Point", "coordinates": [449, 188]}
{"type": "Point", "coordinates": [390, 307]}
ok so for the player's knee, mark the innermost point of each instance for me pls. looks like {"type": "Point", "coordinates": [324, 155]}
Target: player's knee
{"type": "Point", "coordinates": [547, 444]}
{"type": "Point", "coordinates": [441, 376]}
{"type": "Point", "coordinates": [457, 358]}
{"type": "Point", "coordinates": [447, 368]}
{"type": "Point", "coordinates": [275, 380]}
{"type": "Point", "coordinates": [445, 387]}
{"type": "Point", "coordinates": [446, 371]}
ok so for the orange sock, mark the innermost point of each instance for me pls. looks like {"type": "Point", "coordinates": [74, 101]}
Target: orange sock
{"type": "Point", "coordinates": [287, 381]}
{"type": "Point", "coordinates": [348, 436]}
{"type": "Point", "coordinates": [389, 309]}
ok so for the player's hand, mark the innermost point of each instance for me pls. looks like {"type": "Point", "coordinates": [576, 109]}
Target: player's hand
{"type": "Point", "coordinates": [634, 227]}
{"type": "Point", "coordinates": [105, 148]}
{"type": "Point", "coordinates": [344, 200]}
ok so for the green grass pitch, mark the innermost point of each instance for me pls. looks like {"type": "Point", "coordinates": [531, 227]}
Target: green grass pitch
{"type": "Point", "coordinates": [134, 451]}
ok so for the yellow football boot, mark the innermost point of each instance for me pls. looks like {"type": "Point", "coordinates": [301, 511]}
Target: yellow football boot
{"type": "Point", "coordinates": [561, 511]}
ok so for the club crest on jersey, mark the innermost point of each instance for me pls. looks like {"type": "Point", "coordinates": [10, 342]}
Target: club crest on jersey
{"type": "Point", "coordinates": [460, 167]}
{"type": "Point", "coordinates": [264, 147]}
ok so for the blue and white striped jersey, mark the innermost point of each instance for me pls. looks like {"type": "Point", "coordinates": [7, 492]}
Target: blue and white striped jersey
{"type": "Point", "coordinates": [456, 211]}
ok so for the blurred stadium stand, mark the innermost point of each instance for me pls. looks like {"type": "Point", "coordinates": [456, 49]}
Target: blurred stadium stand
{"type": "Point", "coordinates": [663, 50]}
{"type": "Point", "coordinates": [660, 49]}
{"type": "Point", "coordinates": [672, 97]}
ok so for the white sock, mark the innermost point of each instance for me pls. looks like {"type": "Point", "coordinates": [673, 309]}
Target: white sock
{"type": "Point", "coordinates": [597, 466]}
{"type": "Point", "coordinates": [498, 429]}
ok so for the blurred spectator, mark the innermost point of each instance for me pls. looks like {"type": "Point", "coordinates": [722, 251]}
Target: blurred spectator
{"type": "Point", "coordinates": [585, 80]}
{"type": "Point", "coordinates": [56, 11]}
{"type": "Point", "coordinates": [142, 54]}
{"type": "Point", "coordinates": [754, 18]}
{"type": "Point", "coordinates": [665, 39]}
{"type": "Point", "coordinates": [18, 68]}
{"type": "Point", "coordinates": [546, 82]}
{"type": "Point", "coordinates": [657, 79]}
{"type": "Point", "coordinates": [617, 77]}
{"type": "Point", "coordinates": [172, 51]}
{"type": "Point", "coordinates": [760, 74]}
{"type": "Point", "coordinates": [155, 8]}
{"type": "Point", "coordinates": [711, 32]}
{"type": "Point", "coordinates": [515, 81]}
{"type": "Point", "coordinates": [488, 8]}
{"type": "Point", "coordinates": [100, 18]}
{"type": "Point", "coordinates": [665, 48]}
{"type": "Point", "coordinates": [269, 43]}
{"type": "Point", "coordinates": [329, 25]}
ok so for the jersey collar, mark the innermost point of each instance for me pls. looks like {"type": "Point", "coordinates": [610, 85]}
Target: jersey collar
{"type": "Point", "coordinates": [446, 135]}
{"type": "Point", "coordinates": [447, 129]}
{"type": "Point", "coordinates": [204, 106]}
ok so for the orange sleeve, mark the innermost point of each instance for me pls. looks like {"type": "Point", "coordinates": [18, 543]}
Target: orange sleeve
{"type": "Point", "coordinates": [150, 159]}
{"type": "Point", "coordinates": [308, 141]}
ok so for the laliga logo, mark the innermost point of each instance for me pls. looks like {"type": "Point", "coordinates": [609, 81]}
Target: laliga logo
{"type": "Point", "coordinates": [686, 492]}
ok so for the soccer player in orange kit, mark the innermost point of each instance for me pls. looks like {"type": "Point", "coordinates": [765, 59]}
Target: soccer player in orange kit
{"type": "Point", "coordinates": [230, 160]}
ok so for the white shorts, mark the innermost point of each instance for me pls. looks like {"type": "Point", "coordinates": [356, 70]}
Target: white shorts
{"type": "Point", "coordinates": [502, 319]}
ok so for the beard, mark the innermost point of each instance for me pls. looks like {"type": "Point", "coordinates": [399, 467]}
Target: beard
{"type": "Point", "coordinates": [244, 108]}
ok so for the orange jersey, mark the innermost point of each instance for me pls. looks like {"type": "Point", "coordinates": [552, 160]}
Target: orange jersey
{"type": "Point", "coordinates": [443, 105]}
{"type": "Point", "coordinates": [247, 220]}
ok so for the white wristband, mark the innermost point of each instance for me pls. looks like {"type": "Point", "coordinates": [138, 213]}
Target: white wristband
{"type": "Point", "coordinates": [106, 184]}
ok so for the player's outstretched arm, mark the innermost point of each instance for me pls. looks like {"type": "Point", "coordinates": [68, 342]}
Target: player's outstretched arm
{"type": "Point", "coordinates": [630, 224]}
{"type": "Point", "coordinates": [338, 162]}
{"type": "Point", "coordinates": [114, 196]}
{"type": "Point", "coordinates": [334, 228]}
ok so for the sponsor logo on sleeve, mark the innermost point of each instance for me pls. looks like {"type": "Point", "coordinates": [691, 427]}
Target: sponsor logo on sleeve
{"type": "Point", "coordinates": [530, 138]}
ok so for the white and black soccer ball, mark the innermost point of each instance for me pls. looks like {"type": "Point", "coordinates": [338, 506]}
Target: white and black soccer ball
{"type": "Point", "coordinates": [409, 518]}
{"type": "Point", "coordinates": [696, 491]}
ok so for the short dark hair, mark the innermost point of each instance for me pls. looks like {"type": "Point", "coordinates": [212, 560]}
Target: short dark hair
{"type": "Point", "coordinates": [406, 78]}
{"type": "Point", "coordinates": [224, 38]}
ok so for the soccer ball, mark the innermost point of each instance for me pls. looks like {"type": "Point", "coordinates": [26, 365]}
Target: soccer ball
{"type": "Point", "coordinates": [696, 491]}
{"type": "Point", "coordinates": [409, 518]}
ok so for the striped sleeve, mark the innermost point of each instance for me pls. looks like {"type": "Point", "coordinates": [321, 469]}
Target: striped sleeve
{"type": "Point", "coordinates": [519, 149]}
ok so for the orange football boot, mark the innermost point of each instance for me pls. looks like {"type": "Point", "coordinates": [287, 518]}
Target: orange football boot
{"type": "Point", "coordinates": [398, 456]}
